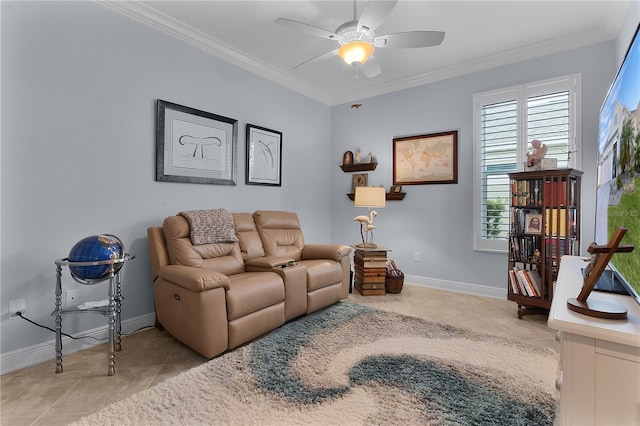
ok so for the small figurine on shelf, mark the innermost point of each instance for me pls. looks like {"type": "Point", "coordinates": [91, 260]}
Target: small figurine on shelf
{"type": "Point", "coordinates": [535, 257]}
{"type": "Point", "coordinates": [538, 153]}
{"type": "Point", "coordinates": [369, 157]}
{"type": "Point", "coordinates": [347, 158]}
{"type": "Point", "coordinates": [358, 155]}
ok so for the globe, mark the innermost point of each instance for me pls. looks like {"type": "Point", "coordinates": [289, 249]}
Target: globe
{"type": "Point", "coordinates": [92, 249]}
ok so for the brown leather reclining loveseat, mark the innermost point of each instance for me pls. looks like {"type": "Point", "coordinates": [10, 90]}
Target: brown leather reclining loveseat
{"type": "Point", "coordinates": [216, 293]}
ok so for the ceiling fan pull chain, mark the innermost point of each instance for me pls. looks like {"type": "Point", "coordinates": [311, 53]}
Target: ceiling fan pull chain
{"type": "Point", "coordinates": [356, 105]}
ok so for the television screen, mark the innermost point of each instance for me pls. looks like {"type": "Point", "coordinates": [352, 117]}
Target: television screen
{"type": "Point", "coordinates": [618, 180]}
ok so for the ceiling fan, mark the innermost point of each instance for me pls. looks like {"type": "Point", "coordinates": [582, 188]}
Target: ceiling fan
{"type": "Point", "coordinates": [357, 39]}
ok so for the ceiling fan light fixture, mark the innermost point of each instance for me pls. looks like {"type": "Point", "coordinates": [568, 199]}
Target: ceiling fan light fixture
{"type": "Point", "coordinates": [356, 51]}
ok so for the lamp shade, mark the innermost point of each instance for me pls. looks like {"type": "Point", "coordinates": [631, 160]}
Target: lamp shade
{"type": "Point", "coordinates": [370, 196]}
{"type": "Point", "coordinates": [356, 51]}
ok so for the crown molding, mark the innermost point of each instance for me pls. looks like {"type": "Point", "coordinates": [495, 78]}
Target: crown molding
{"type": "Point", "coordinates": [151, 17]}
{"type": "Point", "coordinates": [194, 37]}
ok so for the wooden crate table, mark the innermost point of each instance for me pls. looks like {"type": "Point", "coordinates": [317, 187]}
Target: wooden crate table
{"type": "Point", "coordinates": [370, 270]}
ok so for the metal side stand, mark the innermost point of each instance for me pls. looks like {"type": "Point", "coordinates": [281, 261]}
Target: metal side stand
{"type": "Point", "coordinates": [111, 310]}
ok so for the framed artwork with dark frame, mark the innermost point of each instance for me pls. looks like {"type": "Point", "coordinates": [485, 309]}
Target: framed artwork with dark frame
{"type": "Point", "coordinates": [264, 156]}
{"type": "Point", "coordinates": [426, 159]}
{"type": "Point", "coordinates": [533, 223]}
{"type": "Point", "coordinates": [359, 179]}
{"type": "Point", "coordinates": [194, 146]}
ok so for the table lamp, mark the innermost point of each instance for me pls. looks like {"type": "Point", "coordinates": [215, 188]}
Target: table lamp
{"type": "Point", "coordinates": [368, 196]}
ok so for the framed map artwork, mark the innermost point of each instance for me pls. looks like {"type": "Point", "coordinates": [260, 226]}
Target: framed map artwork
{"type": "Point", "coordinates": [426, 159]}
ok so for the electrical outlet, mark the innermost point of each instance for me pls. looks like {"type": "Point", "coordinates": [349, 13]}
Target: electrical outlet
{"type": "Point", "coordinates": [16, 306]}
{"type": "Point", "coordinates": [416, 256]}
{"type": "Point", "coordinates": [71, 297]}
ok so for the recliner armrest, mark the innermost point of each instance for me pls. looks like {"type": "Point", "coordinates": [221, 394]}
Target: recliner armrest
{"type": "Point", "coordinates": [194, 279]}
{"type": "Point", "coordinates": [325, 251]}
{"type": "Point", "coordinates": [269, 262]}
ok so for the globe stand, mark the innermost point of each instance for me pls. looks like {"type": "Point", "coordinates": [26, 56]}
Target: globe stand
{"type": "Point", "coordinates": [111, 311]}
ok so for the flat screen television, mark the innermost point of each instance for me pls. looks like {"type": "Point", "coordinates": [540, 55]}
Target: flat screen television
{"type": "Point", "coordinates": [618, 180]}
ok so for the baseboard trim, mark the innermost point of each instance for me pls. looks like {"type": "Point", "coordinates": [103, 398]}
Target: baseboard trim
{"type": "Point", "coordinates": [476, 289]}
{"type": "Point", "coordinates": [26, 357]}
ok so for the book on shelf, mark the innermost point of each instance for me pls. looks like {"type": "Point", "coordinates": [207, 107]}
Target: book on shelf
{"type": "Point", "coordinates": [536, 281]}
{"type": "Point", "coordinates": [525, 282]}
{"type": "Point", "coordinates": [369, 291]}
{"type": "Point", "coordinates": [526, 193]}
{"type": "Point", "coordinates": [373, 286]}
{"type": "Point", "coordinates": [370, 253]}
{"type": "Point", "coordinates": [523, 247]}
{"type": "Point", "coordinates": [556, 220]}
{"type": "Point", "coordinates": [515, 283]}
{"type": "Point", "coordinates": [558, 247]}
{"type": "Point", "coordinates": [555, 193]}
{"type": "Point", "coordinates": [372, 262]}
{"type": "Point", "coordinates": [521, 287]}
{"type": "Point", "coordinates": [382, 270]}
{"type": "Point", "coordinates": [371, 280]}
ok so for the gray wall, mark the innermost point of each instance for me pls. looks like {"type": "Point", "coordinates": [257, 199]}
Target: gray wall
{"type": "Point", "coordinates": [78, 87]}
{"type": "Point", "coordinates": [437, 220]}
{"type": "Point", "coordinates": [79, 84]}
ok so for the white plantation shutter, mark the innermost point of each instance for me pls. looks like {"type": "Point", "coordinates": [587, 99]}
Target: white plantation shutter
{"type": "Point", "coordinates": [548, 121]}
{"type": "Point", "coordinates": [498, 157]}
{"type": "Point", "coordinates": [505, 123]}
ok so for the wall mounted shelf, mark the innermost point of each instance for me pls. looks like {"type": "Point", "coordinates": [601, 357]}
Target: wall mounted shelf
{"type": "Point", "coordinates": [390, 196]}
{"type": "Point", "coordinates": [360, 167]}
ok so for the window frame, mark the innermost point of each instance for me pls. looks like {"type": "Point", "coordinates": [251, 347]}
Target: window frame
{"type": "Point", "coordinates": [521, 93]}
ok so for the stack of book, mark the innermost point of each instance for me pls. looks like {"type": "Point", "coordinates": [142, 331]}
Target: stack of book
{"type": "Point", "coordinates": [370, 269]}
{"type": "Point", "coordinates": [526, 282]}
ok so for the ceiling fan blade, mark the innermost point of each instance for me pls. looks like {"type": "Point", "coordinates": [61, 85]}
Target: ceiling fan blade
{"type": "Point", "coordinates": [318, 58]}
{"type": "Point", "coordinates": [371, 68]}
{"type": "Point", "coordinates": [306, 28]}
{"type": "Point", "coordinates": [374, 13]}
{"type": "Point", "coordinates": [410, 39]}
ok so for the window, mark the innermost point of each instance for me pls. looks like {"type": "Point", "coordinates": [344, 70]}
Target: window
{"type": "Point", "coordinates": [504, 124]}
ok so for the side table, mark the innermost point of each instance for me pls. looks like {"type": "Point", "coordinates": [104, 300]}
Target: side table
{"type": "Point", "coordinates": [111, 310]}
{"type": "Point", "coordinates": [370, 267]}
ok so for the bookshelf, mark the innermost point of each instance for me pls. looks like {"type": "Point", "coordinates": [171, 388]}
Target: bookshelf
{"type": "Point", "coordinates": [544, 225]}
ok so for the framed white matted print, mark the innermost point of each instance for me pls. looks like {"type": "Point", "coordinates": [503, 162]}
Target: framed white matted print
{"type": "Point", "coordinates": [264, 156]}
{"type": "Point", "coordinates": [194, 146]}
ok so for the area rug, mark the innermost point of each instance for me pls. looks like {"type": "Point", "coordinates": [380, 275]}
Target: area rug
{"type": "Point", "coordinates": [352, 364]}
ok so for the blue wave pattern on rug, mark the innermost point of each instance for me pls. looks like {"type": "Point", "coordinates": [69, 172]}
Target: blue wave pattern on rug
{"type": "Point", "coordinates": [455, 399]}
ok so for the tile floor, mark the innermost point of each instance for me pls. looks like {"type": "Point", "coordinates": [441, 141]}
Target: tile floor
{"type": "Point", "coordinates": [37, 396]}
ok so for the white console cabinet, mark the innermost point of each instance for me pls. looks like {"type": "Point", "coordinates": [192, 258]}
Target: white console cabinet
{"type": "Point", "coordinates": [599, 377]}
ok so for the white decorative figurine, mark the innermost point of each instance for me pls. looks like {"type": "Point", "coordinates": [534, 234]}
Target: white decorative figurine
{"type": "Point", "coordinates": [366, 222]}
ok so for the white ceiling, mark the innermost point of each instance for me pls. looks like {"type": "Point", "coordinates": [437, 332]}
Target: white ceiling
{"type": "Point", "coordinates": [479, 35]}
